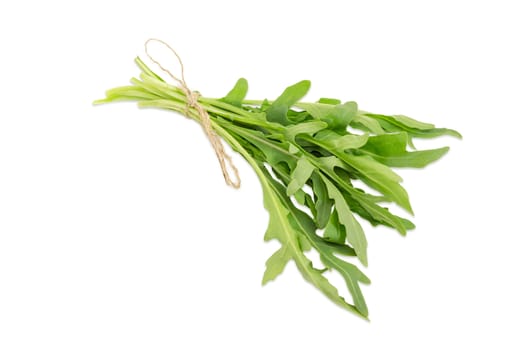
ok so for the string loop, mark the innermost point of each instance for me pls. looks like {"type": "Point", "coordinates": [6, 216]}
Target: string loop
{"type": "Point", "coordinates": [192, 102]}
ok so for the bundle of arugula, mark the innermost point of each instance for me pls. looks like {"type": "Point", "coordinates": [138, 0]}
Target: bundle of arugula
{"type": "Point", "coordinates": [309, 158]}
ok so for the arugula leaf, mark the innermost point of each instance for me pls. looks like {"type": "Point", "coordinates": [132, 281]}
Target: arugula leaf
{"type": "Point", "coordinates": [237, 94]}
{"type": "Point", "coordinates": [308, 128]}
{"type": "Point", "coordinates": [277, 112]}
{"type": "Point", "coordinates": [337, 116]}
{"type": "Point", "coordinates": [329, 139]}
{"type": "Point", "coordinates": [354, 232]}
{"type": "Point", "coordinates": [276, 264]}
{"type": "Point", "coordinates": [413, 127]}
{"type": "Point", "coordinates": [323, 203]}
{"type": "Point", "coordinates": [353, 276]}
{"type": "Point", "coordinates": [390, 149]}
{"type": "Point", "coordinates": [340, 116]}
{"type": "Point", "coordinates": [334, 230]}
{"type": "Point", "coordinates": [300, 175]}
{"type": "Point", "coordinates": [365, 123]}
{"type": "Point", "coordinates": [380, 177]}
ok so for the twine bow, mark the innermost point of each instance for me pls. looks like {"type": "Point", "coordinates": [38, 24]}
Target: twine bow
{"type": "Point", "coordinates": [192, 102]}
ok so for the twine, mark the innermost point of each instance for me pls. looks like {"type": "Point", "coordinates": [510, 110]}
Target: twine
{"type": "Point", "coordinates": [192, 102]}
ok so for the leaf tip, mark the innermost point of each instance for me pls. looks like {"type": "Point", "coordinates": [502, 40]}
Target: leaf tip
{"type": "Point", "coordinates": [99, 102]}
{"type": "Point", "coordinates": [265, 280]}
{"type": "Point", "coordinates": [456, 134]}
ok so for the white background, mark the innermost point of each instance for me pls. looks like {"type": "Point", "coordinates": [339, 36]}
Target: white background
{"type": "Point", "coordinates": [118, 232]}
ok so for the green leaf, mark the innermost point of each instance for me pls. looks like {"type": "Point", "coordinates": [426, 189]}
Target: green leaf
{"type": "Point", "coordinates": [337, 116]}
{"type": "Point", "coordinates": [341, 116]}
{"type": "Point", "coordinates": [275, 152]}
{"type": "Point", "coordinates": [380, 177]}
{"type": "Point", "coordinates": [412, 123]}
{"type": "Point", "coordinates": [340, 249]}
{"type": "Point", "coordinates": [365, 123]}
{"type": "Point", "coordinates": [412, 126]}
{"type": "Point", "coordinates": [354, 233]}
{"type": "Point", "coordinates": [237, 94]}
{"type": "Point", "coordinates": [323, 204]}
{"type": "Point", "coordinates": [353, 276]}
{"type": "Point", "coordinates": [329, 139]}
{"type": "Point", "coordinates": [316, 278]}
{"type": "Point", "coordinates": [277, 112]}
{"type": "Point", "coordinates": [334, 231]}
{"type": "Point", "coordinates": [300, 196]}
{"type": "Point", "coordinates": [390, 149]}
{"type": "Point", "coordinates": [276, 264]}
{"type": "Point", "coordinates": [308, 128]}
{"type": "Point", "coordinates": [300, 175]}
{"type": "Point", "coordinates": [310, 204]}
{"type": "Point", "coordinates": [317, 110]}
{"type": "Point", "coordinates": [368, 208]}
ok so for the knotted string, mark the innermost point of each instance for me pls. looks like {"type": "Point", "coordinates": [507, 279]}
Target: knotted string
{"type": "Point", "coordinates": [192, 102]}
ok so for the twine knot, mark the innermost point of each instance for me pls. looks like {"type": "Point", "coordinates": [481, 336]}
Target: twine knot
{"type": "Point", "coordinates": [205, 120]}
